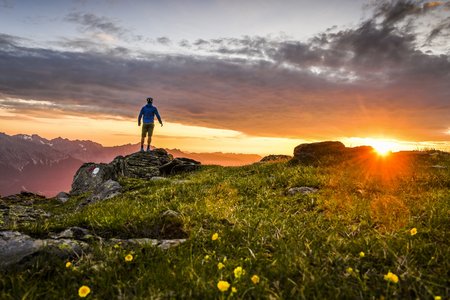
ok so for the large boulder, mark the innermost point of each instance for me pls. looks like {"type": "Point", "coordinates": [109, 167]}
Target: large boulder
{"type": "Point", "coordinates": [16, 247]}
{"type": "Point", "coordinates": [144, 165]}
{"type": "Point", "coordinates": [330, 151]}
{"type": "Point", "coordinates": [315, 152]}
{"type": "Point", "coordinates": [91, 175]}
{"type": "Point", "coordinates": [179, 165]}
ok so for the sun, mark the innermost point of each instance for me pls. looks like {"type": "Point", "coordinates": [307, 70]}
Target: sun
{"type": "Point", "coordinates": [382, 147]}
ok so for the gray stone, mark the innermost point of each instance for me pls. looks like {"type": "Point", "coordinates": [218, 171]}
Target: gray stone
{"type": "Point", "coordinates": [62, 197]}
{"type": "Point", "coordinates": [15, 247]}
{"type": "Point", "coordinates": [304, 190]}
{"type": "Point", "coordinates": [104, 191]}
{"type": "Point", "coordinates": [76, 233]}
{"type": "Point", "coordinates": [14, 214]}
{"type": "Point", "coordinates": [63, 248]}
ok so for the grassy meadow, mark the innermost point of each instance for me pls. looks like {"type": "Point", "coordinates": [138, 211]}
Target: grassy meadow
{"type": "Point", "coordinates": [377, 228]}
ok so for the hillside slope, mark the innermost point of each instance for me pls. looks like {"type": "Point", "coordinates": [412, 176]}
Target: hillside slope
{"type": "Point", "coordinates": [365, 228]}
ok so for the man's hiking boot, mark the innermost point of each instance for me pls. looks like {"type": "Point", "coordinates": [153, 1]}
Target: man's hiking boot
{"type": "Point", "coordinates": [142, 150]}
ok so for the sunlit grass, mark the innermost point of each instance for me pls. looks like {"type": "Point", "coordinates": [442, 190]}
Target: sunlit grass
{"type": "Point", "coordinates": [376, 228]}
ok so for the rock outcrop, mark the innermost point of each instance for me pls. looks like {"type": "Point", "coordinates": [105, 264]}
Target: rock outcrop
{"type": "Point", "coordinates": [144, 165]}
{"type": "Point", "coordinates": [18, 209]}
{"type": "Point", "coordinates": [16, 247]}
{"type": "Point", "coordinates": [20, 249]}
{"type": "Point", "coordinates": [313, 153]}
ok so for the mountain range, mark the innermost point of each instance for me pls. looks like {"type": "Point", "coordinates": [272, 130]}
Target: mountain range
{"type": "Point", "coordinates": [35, 164]}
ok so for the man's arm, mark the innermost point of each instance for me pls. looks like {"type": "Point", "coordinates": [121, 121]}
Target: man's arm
{"type": "Point", "coordinates": [140, 116]}
{"type": "Point", "coordinates": [157, 115]}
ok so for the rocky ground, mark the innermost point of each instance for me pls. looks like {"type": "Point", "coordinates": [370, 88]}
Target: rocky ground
{"type": "Point", "coordinates": [94, 182]}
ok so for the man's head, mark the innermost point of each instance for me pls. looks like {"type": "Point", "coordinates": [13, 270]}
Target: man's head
{"type": "Point", "coordinates": [149, 100]}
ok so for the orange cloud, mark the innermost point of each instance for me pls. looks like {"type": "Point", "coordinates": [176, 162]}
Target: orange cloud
{"type": "Point", "coordinates": [432, 4]}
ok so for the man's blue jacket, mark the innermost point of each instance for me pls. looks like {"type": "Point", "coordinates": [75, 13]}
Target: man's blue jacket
{"type": "Point", "coordinates": [149, 112]}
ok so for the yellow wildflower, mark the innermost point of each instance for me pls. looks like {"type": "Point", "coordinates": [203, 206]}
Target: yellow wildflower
{"type": "Point", "coordinates": [362, 254]}
{"type": "Point", "coordinates": [215, 236]}
{"type": "Point", "coordinates": [391, 277]}
{"type": "Point", "coordinates": [83, 291]}
{"type": "Point", "coordinates": [238, 272]}
{"type": "Point", "coordinates": [225, 259]}
{"type": "Point", "coordinates": [68, 264]}
{"type": "Point", "coordinates": [437, 298]}
{"type": "Point", "coordinates": [255, 279]}
{"type": "Point", "coordinates": [413, 231]}
{"type": "Point", "coordinates": [128, 258]}
{"type": "Point", "coordinates": [207, 257]}
{"type": "Point", "coordinates": [349, 270]}
{"type": "Point", "coordinates": [220, 266]}
{"type": "Point", "coordinates": [233, 289]}
{"type": "Point", "coordinates": [223, 286]}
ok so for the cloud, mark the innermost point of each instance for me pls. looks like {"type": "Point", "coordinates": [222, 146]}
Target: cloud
{"type": "Point", "coordinates": [102, 28]}
{"type": "Point", "coordinates": [164, 40]}
{"type": "Point", "coordinates": [368, 80]}
{"type": "Point", "coordinates": [393, 12]}
{"type": "Point", "coordinates": [91, 22]}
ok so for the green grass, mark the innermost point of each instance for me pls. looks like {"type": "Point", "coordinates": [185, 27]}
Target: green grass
{"type": "Point", "coordinates": [300, 246]}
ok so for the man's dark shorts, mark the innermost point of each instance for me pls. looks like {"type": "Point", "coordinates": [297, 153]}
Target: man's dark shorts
{"type": "Point", "coordinates": [147, 128]}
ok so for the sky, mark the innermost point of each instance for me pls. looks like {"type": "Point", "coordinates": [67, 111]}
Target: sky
{"type": "Point", "coordinates": [255, 76]}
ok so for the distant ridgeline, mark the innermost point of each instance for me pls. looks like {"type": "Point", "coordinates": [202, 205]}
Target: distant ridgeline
{"type": "Point", "coordinates": [32, 163]}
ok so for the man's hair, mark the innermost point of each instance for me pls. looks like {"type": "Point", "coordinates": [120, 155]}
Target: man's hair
{"type": "Point", "coordinates": [149, 100]}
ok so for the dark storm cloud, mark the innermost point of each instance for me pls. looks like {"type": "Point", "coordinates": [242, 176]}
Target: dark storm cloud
{"type": "Point", "coordinates": [353, 82]}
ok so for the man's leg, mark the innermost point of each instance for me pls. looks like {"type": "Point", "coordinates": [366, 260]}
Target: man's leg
{"type": "Point", "coordinates": [144, 133]}
{"type": "Point", "coordinates": [150, 133]}
{"type": "Point", "coordinates": [149, 140]}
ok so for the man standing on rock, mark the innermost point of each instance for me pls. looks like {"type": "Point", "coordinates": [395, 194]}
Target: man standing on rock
{"type": "Point", "coordinates": [148, 112]}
